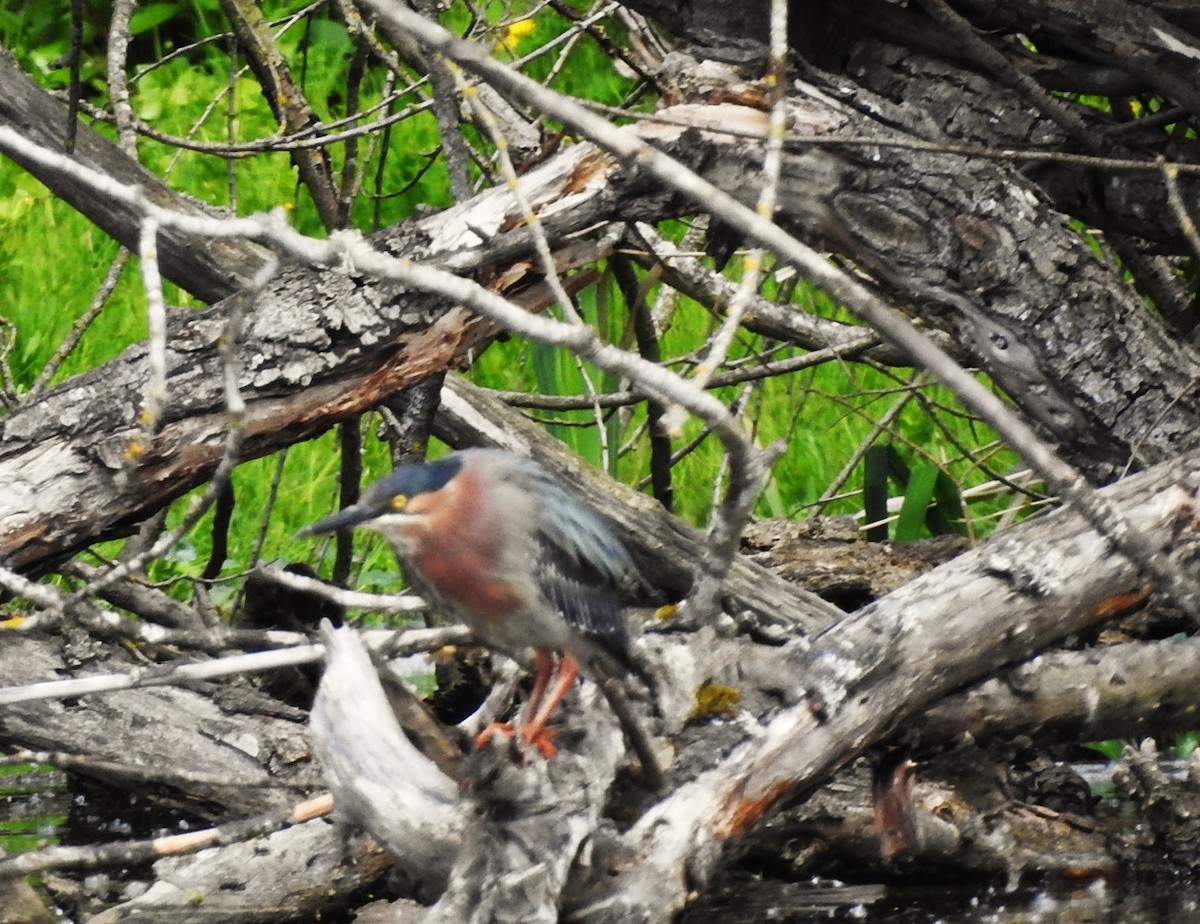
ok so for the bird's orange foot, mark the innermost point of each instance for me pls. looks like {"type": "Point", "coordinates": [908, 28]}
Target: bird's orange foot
{"type": "Point", "coordinates": [542, 739]}
{"type": "Point", "coordinates": [496, 728]}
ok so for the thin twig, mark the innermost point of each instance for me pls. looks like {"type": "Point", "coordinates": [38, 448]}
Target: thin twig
{"type": "Point", "coordinates": [396, 644]}
{"type": "Point", "coordinates": [1187, 226]}
{"type": "Point", "coordinates": [118, 89]}
{"type": "Point", "coordinates": [133, 853]}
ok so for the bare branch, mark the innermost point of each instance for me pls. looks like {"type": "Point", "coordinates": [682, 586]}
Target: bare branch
{"type": "Point", "coordinates": [396, 644]}
{"type": "Point", "coordinates": [134, 853]}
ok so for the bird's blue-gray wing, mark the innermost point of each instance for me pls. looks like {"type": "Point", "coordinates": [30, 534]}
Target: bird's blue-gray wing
{"type": "Point", "coordinates": [576, 531]}
{"type": "Point", "coordinates": [581, 563]}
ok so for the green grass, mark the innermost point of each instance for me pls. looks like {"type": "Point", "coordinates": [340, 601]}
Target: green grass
{"type": "Point", "coordinates": [29, 834]}
{"type": "Point", "coordinates": [22, 788]}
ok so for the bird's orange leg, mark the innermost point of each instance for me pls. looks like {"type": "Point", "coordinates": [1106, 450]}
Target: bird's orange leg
{"type": "Point", "coordinates": [491, 731]}
{"type": "Point", "coordinates": [535, 731]}
{"type": "Point", "coordinates": [545, 661]}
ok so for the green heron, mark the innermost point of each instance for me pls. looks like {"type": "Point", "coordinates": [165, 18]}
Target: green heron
{"type": "Point", "coordinates": [502, 546]}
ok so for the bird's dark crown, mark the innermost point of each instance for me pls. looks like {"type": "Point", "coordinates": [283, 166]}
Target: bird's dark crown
{"type": "Point", "coordinates": [413, 480]}
{"type": "Point", "coordinates": [390, 494]}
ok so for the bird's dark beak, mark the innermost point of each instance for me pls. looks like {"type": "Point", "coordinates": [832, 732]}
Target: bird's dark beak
{"type": "Point", "coordinates": [354, 515]}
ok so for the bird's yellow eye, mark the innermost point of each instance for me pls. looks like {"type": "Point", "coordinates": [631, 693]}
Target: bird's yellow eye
{"type": "Point", "coordinates": [400, 501]}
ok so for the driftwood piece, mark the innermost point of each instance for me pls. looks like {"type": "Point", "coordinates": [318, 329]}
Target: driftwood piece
{"type": "Point", "coordinates": [1122, 691]}
{"type": "Point", "coordinates": [303, 872]}
{"type": "Point", "coordinates": [513, 835]}
{"type": "Point", "coordinates": [527, 822]}
{"type": "Point", "coordinates": [312, 869]}
{"type": "Point", "coordinates": [1127, 690]}
{"type": "Point", "coordinates": [379, 781]}
{"type": "Point", "coordinates": [174, 742]}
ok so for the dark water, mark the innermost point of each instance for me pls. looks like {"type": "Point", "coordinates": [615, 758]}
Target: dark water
{"type": "Point", "coordinates": [800, 903]}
